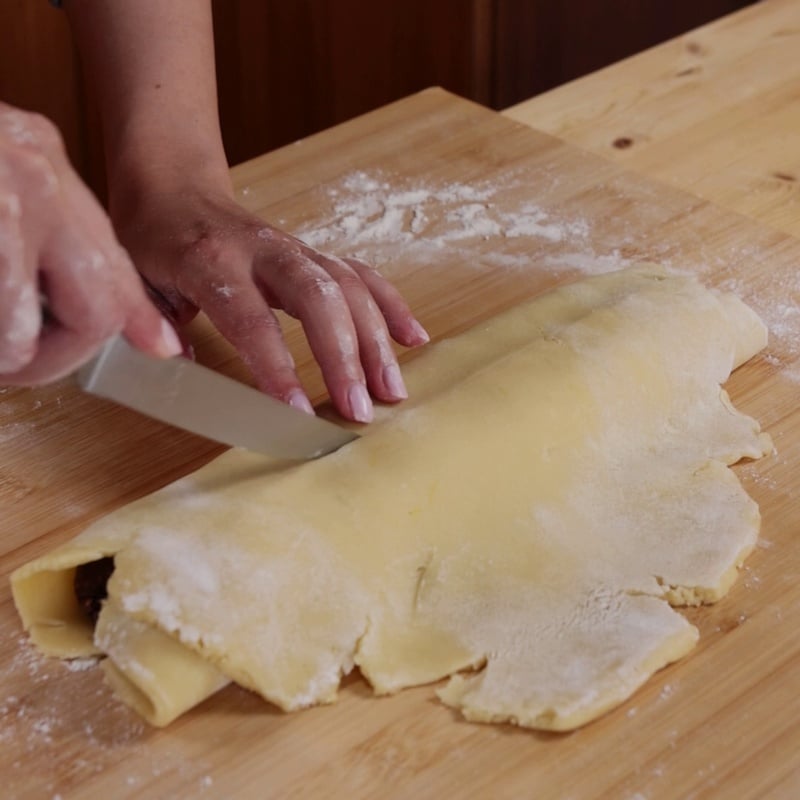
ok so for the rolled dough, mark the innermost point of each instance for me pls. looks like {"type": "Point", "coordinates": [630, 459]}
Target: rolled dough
{"type": "Point", "coordinates": [522, 526]}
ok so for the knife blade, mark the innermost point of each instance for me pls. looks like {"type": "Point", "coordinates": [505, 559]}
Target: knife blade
{"type": "Point", "coordinates": [189, 396]}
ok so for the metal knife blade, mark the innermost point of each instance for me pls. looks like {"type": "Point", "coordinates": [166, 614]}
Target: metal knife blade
{"type": "Point", "coordinates": [189, 396]}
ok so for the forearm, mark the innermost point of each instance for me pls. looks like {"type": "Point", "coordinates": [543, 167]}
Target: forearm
{"type": "Point", "coordinates": [151, 68]}
{"type": "Point", "coordinates": [151, 64]}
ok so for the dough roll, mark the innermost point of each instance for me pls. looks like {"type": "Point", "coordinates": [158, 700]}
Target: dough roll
{"type": "Point", "coordinates": [522, 526]}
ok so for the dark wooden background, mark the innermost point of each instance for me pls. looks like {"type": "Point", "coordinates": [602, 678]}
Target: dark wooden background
{"type": "Point", "coordinates": [288, 68]}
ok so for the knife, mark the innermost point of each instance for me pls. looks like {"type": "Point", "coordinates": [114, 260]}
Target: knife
{"type": "Point", "coordinates": [189, 396]}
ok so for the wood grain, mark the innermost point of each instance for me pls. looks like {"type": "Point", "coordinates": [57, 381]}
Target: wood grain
{"type": "Point", "coordinates": [714, 112]}
{"type": "Point", "coordinates": [721, 723]}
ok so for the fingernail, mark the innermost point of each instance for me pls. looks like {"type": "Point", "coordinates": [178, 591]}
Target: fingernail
{"type": "Point", "coordinates": [360, 403]}
{"type": "Point", "coordinates": [171, 344]}
{"type": "Point", "coordinates": [420, 332]}
{"type": "Point", "coordinates": [298, 399]}
{"type": "Point", "coordinates": [393, 381]}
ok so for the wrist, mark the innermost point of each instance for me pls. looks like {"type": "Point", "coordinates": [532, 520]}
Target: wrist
{"type": "Point", "coordinates": [144, 175]}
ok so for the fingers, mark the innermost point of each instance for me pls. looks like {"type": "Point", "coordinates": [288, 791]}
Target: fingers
{"type": "Point", "coordinates": [241, 315]}
{"type": "Point", "coordinates": [99, 261]}
{"type": "Point", "coordinates": [20, 319]}
{"type": "Point", "coordinates": [402, 324]}
{"type": "Point", "coordinates": [380, 365]}
{"type": "Point", "coordinates": [150, 332]}
{"type": "Point", "coordinates": [89, 297]}
{"type": "Point", "coordinates": [58, 250]}
{"type": "Point", "coordinates": [309, 292]}
{"type": "Point", "coordinates": [346, 321]}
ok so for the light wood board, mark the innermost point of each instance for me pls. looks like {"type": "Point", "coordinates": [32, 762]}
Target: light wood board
{"type": "Point", "coordinates": [714, 111]}
{"type": "Point", "coordinates": [721, 723]}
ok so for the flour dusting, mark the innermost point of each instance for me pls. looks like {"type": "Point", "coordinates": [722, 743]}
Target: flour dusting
{"type": "Point", "coordinates": [777, 301]}
{"type": "Point", "coordinates": [43, 720]}
{"type": "Point", "coordinates": [378, 219]}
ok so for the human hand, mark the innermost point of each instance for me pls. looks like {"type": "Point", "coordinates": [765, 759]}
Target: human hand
{"type": "Point", "coordinates": [201, 250]}
{"type": "Point", "coordinates": [57, 248]}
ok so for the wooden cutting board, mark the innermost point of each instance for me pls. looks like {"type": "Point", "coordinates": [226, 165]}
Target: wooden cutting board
{"type": "Point", "coordinates": [469, 213]}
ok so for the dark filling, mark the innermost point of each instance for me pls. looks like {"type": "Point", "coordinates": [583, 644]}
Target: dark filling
{"type": "Point", "coordinates": [90, 585]}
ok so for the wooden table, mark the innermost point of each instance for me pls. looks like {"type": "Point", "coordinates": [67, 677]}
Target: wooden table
{"type": "Point", "coordinates": [715, 112]}
{"type": "Point", "coordinates": [712, 114]}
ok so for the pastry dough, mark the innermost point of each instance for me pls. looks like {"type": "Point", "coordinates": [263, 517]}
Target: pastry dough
{"type": "Point", "coordinates": [522, 525]}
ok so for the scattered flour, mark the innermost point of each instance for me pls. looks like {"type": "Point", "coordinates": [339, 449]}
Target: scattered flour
{"type": "Point", "coordinates": [588, 263]}
{"type": "Point", "coordinates": [777, 301]}
{"type": "Point", "coordinates": [25, 316]}
{"type": "Point", "coordinates": [375, 218]}
{"type": "Point", "coordinates": [225, 291]}
{"type": "Point", "coordinates": [41, 722]}
{"type": "Point", "coordinates": [16, 125]}
{"type": "Point", "coordinates": [80, 664]}
{"type": "Point", "coordinates": [666, 691]}
{"type": "Point", "coordinates": [485, 225]}
{"type": "Point", "coordinates": [14, 430]}
{"type": "Point", "coordinates": [10, 210]}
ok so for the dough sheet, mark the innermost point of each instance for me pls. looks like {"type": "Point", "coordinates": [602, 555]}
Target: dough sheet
{"type": "Point", "coordinates": [520, 527]}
